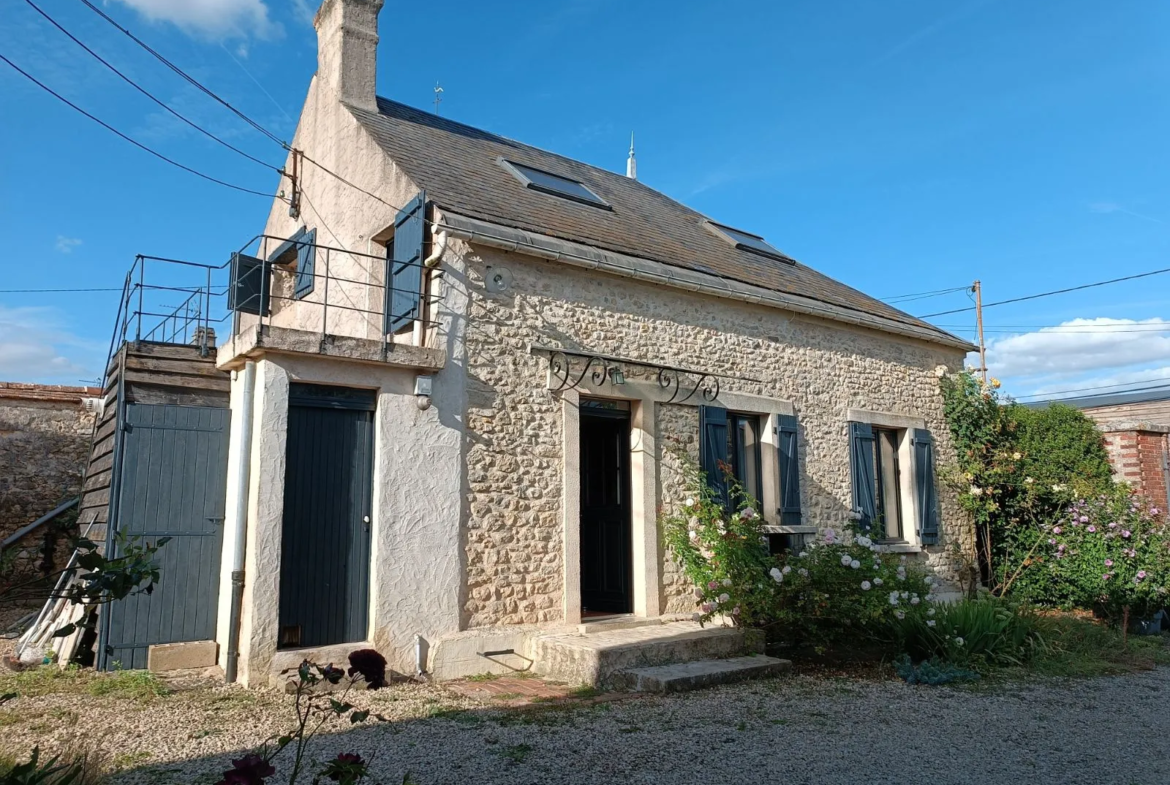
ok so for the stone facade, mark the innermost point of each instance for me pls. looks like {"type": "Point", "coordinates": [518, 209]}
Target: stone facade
{"type": "Point", "coordinates": [44, 442]}
{"type": "Point", "coordinates": [514, 455]}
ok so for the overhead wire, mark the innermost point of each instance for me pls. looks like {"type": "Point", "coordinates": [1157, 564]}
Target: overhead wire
{"type": "Point", "coordinates": [147, 93]}
{"type": "Point", "coordinates": [132, 141]}
{"type": "Point", "coordinates": [1050, 294]}
{"type": "Point", "coordinates": [190, 79]}
{"type": "Point", "coordinates": [55, 291]}
{"type": "Point", "coordinates": [1102, 387]}
{"type": "Point", "coordinates": [901, 298]}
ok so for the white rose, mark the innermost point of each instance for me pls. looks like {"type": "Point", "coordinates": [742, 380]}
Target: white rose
{"type": "Point", "coordinates": [689, 502]}
{"type": "Point", "coordinates": [723, 598]}
{"type": "Point", "coordinates": [878, 581]}
{"type": "Point", "coordinates": [931, 622]}
{"type": "Point", "coordinates": [865, 586]}
{"type": "Point", "coordinates": [776, 574]}
{"type": "Point", "coordinates": [855, 564]}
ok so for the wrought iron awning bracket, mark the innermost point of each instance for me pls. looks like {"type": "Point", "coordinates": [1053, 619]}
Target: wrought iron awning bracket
{"type": "Point", "coordinates": [682, 384]}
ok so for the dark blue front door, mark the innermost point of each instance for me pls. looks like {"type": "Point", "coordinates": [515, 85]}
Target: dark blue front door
{"type": "Point", "coordinates": [325, 546]}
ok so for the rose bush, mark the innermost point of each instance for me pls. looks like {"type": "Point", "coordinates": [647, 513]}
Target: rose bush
{"type": "Point", "coordinates": [724, 555]}
{"type": "Point", "coordinates": [843, 585]}
{"type": "Point", "coordinates": [839, 585]}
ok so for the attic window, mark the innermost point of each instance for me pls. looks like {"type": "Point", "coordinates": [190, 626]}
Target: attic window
{"type": "Point", "coordinates": [748, 242]}
{"type": "Point", "coordinates": [549, 183]}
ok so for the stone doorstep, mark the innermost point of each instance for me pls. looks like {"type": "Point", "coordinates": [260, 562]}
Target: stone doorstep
{"type": "Point", "coordinates": [624, 622]}
{"type": "Point", "coordinates": [685, 676]}
{"type": "Point", "coordinates": [596, 659]}
{"type": "Point", "coordinates": [191, 655]}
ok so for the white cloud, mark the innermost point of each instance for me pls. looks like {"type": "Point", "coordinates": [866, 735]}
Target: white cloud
{"type": "Point", "coordinates": [215, 19]}
{"type": "Point", "coordinates": [35, 347]}
{"type": "Point", "coordinates": [1106, 208]}
{"type": "Point", "coordinates": [66, 244]}
{"type": "Point", "coordinates": [1081, 346]}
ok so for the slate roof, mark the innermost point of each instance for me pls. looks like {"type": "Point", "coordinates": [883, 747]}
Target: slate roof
{"type": "Point", "coordinates": [457, 167]}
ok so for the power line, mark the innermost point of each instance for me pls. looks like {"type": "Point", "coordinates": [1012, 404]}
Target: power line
{"type": "Point", "coordinates": [54, 291]}
{"type": "Point", "coordinates": [1049, 294]}
{"type": "Point", "coordinates": [146, 93]}
{"type": "Point", "coordinates": [134, 142]}
{"type": "Point", "coordinates": [924, 295]}
{"type": "Point", "coordinates": [190, 79]}
{"type": "Point", "coordinates": [1103, 387]}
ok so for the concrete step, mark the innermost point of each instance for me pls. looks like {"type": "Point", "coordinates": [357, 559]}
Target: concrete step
{"type": "Point", "coordinates": [685, 676]}
{"type": "Point", "coordinates": [598, 658]}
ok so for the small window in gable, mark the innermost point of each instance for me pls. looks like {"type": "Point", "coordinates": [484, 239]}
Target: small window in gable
{"type": "Point", "coordinates": [555, 184]}
{"type": "Point", "coordinates": [751, 243]}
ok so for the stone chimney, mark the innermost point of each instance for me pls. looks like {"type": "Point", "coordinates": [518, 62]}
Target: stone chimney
{"type": "Point", "coordinates": [347, 50]}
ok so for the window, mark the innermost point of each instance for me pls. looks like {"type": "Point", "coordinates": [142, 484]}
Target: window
{"type": "Point", "coordinates": [752, 243]}
{"type": "Point", "coordinates": [887, 484]}
{"type": "Point", "coordinates": [555, 184]}
{"type": "Point", "coordinates": [743, 448]}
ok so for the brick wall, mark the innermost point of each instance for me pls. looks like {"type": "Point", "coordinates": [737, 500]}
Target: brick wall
{"type": "Point", "coordinates": [44, 442]}
{"type": "Point", "coordinates": [1138, 454]}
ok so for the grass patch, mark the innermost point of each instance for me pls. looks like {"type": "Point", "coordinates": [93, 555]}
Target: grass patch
{"type": "Point", "coordinates": [133, 685]}
{"type": "Point", "coordinates": [584, 691]}
{"type": "Point", "coordinates": [74, 765]}
{"type": "Point", "coordinates": [1081, 647]}
{"type": "Point", "coordinates": [483, 677]}
{"type": "Point", "coordinates": [51, 680]}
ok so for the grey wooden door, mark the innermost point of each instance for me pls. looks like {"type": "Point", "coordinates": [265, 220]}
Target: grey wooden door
{"type": "Point", "coordinates": [325, 545]}
{"type": "Point", "coordinates": [171, 484]}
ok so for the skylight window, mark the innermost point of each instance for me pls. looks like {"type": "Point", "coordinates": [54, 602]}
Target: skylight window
{"type": "Point", "coordinates": [748, 242]}
{"type": "Point", "coordinates": [549, 183]}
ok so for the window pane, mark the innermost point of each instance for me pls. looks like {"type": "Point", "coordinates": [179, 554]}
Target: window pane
{"type": "Point", "coordinates": [743, 447]}
{"type": "Point", "coordinates": [889, 482]}
{"type": "Point", "coordinates": [557, 184]}
{"type": "Point", "coordinates": [750, 241]}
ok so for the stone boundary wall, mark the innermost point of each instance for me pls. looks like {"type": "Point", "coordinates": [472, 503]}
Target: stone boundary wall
{"type": "Point", "coordinates": [44, 443]}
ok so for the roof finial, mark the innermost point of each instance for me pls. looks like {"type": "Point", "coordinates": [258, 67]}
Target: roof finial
{"type": "Point", "coordinates": [631, 163]}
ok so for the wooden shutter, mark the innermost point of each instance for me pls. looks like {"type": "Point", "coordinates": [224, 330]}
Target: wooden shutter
{"type": "Point", "coordinates": [713, 450]}
{"type": "Point", "coordinates": [789, 463]}
{"type": "Point", "coordinates": [250, 288]}
{"type": "Point", "coordinates": [924, 486]}
{"type": "Point", "coordinates": [861, 464]}
{"type": "Point", "coordinates": [306, 263]}
{"type": "Point", "coordinates": [404, 266]}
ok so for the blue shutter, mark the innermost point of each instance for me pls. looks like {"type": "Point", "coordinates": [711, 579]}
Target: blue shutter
{"type": "Point", "coordinates": [861, 464]}
{"type": "Point", "coordinates": [713, 450]}
{"type": "Point", "coordinates": [306, 262]}
{"type": "Point", "coordinates": [404, 266]}
{"type": "Point", "coordinates": [927, 494]}
{"type": "Point", "coordinates": [250, 288]}
{"type": "Point", "coordinates": [789, 463]}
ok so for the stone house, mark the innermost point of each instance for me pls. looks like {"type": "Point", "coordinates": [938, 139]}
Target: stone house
{"type": "Point", "coordinates": [464, 370]}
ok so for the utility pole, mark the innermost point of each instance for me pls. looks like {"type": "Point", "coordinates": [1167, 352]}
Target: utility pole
{"type": "Point", "coordinates": [979, 323]}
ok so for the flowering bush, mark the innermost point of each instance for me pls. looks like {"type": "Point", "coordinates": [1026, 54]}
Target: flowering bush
{"type": "Point", "coordinates": [1017, 469]}
{"type": "Point", "coordinates": [1110, 553]}
{"type": "Point", "coordinates": [842, 585]}
{"type": "Point", "coordinates": [838, 585]}
{"type": "Point", "coordinates": [725, 556]}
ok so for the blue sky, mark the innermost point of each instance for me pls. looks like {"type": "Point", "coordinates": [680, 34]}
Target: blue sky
{"type": "Point", "coordinates": [902, 147]}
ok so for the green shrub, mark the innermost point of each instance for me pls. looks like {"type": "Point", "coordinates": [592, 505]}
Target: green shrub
{"type": "Point", "coordinates": [1110, 553]}
{"type": "Point", "coordinates": [842, 586]}
{"type": "Point", "coordinates": [725, 556]}
{"type": "Point", "coordinates": [1017, 469]}
{"type": "Point", "coordinates": [982, 633]}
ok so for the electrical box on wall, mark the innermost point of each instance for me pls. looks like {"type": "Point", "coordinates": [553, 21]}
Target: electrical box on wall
{"type": "Point", "coordinates": [422, 385]}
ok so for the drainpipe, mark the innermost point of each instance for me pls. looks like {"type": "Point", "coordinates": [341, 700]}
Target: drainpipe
{"type": "Point", "coordinates": [240, 522]}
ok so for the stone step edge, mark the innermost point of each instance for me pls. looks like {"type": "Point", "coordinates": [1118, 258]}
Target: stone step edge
{"type": "Point", "coordinates": [680, 677]}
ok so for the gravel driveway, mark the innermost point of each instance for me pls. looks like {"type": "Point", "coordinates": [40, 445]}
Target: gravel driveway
{"type": "Point", "coordinates": [790, 730]}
